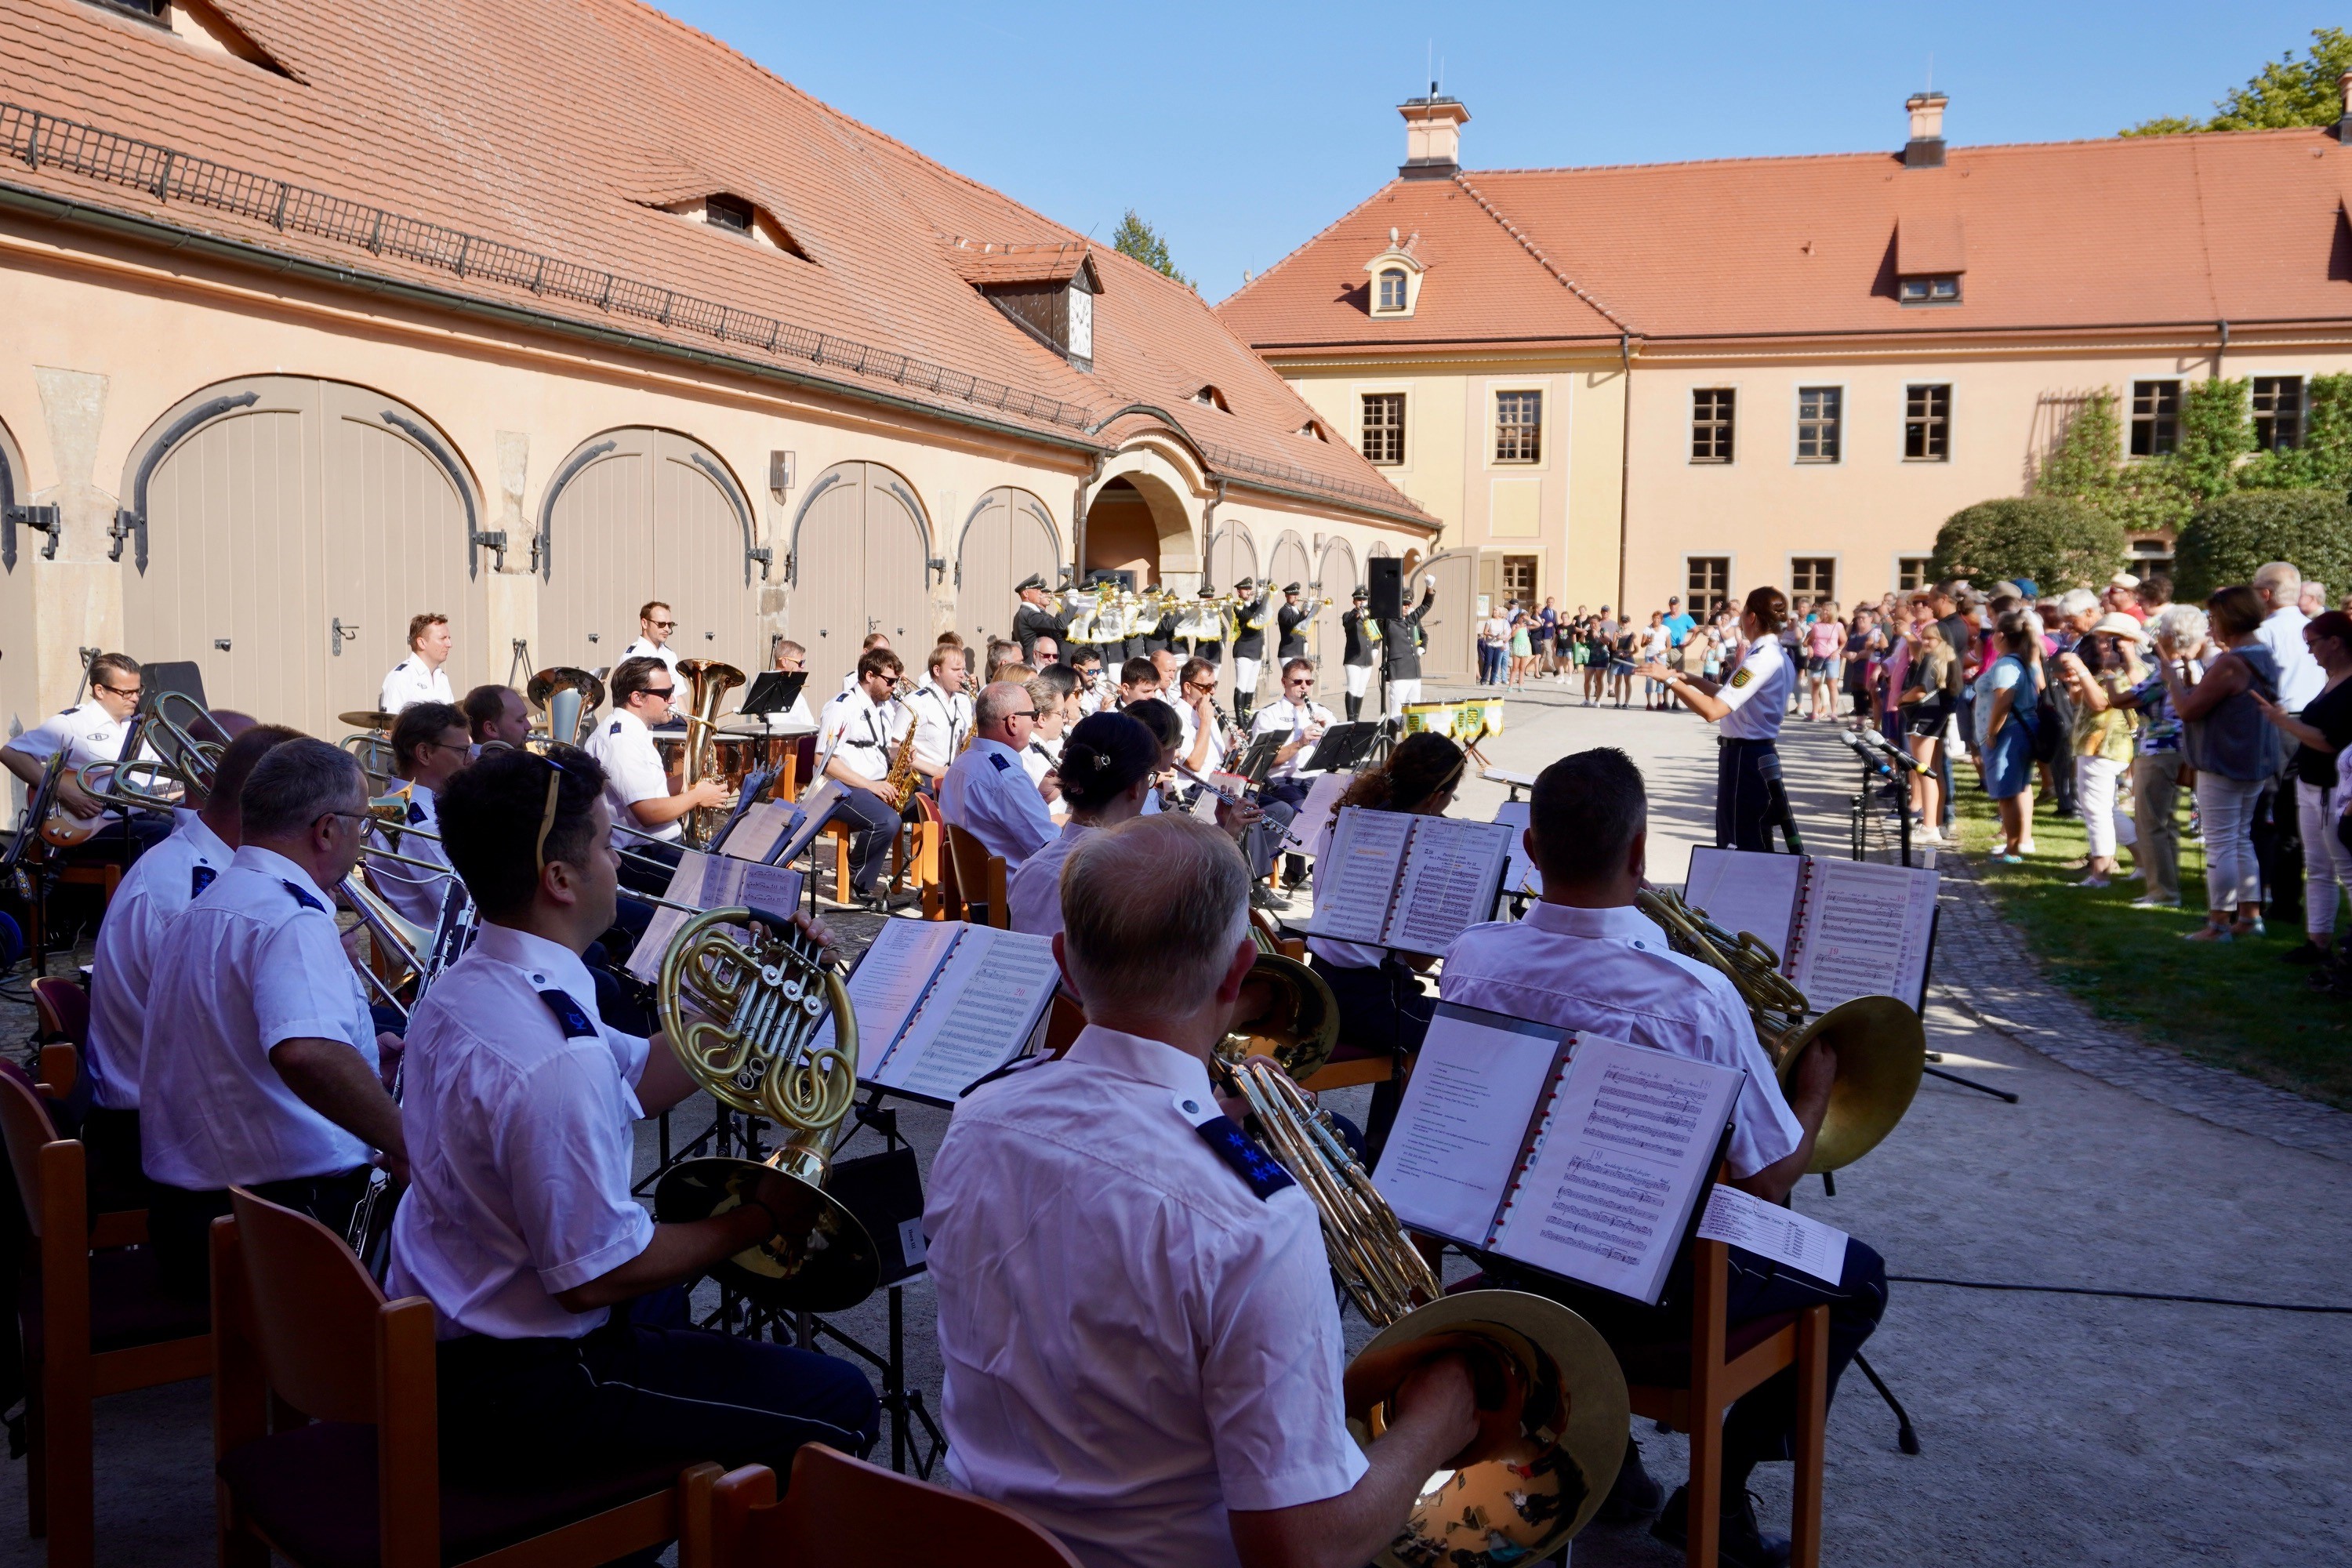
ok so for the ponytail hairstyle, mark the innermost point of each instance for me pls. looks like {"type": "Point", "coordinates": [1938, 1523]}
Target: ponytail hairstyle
{"type": "Point", "coordinates": [1770, 606]}
{"type": "Point", "coordinates": [1103, 756]}
{"type": "Point", "coordinates": [1422, 767]}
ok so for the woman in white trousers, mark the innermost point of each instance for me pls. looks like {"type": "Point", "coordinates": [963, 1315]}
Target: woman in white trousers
{"type": "Point", "coordinates": [2321, 731]}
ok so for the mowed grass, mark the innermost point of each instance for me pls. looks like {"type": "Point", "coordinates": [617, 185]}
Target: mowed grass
{"type": "Point", "coordinates": [2232, 1004]}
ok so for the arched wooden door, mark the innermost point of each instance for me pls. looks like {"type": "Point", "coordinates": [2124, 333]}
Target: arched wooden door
{"type": "Point", "coordinates": [1451, 624]}
{"type": "Point", "coordinates": [1337, 572]}
{"type": "Point", "coordinates": [1233, 555]}
{"type": "Point", "coordinates": [283, 529]}
{"type": "Point", "coordinates": [1008, 536]}
{"type": "Point", "coordinates": [858, 563]}
{"type": "Point", "coordinates": [1288, 563]}
{"type": "Point", "coordinates": [638, 514]}
{"type": "Point", "coordinates": [20, 702]}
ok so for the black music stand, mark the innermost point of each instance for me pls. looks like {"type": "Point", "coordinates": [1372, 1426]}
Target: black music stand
{"type": "Point", "coordinates": [772, 691]}
{"type": "Point", "coordinates": [1344, 747]}
{"type": "Point", "coordinates": [1258, 761]}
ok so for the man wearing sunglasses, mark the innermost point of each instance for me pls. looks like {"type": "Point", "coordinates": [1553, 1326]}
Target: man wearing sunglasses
{"type": "Point", "coordinates": [637, 784]}
{"type": "Point", "coordinates": [430, 741]}
{"type": "Point", "coordinates": [90, 732]}
{"type": "Point", "coordinates": [987, 792]}
{"type": "Point", "coordinates": [656, 622]}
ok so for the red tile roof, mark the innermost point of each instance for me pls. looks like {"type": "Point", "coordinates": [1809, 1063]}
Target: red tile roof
{"type": "Point", "coordinates": [481, 147]}
{"type": "Point", "coordinates": [2247, 226]}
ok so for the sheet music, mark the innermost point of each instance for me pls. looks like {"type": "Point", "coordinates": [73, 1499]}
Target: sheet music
{"type": "Point", "coordinates": [1353, 888]}
{"type": "Point", "coordinates": [1618, 1165]}
{"type": "Point", "coordinates": [1450, 874]}
{"type": "Point", "coordinates": [888, 983]}
{"type": "Point", "coordinates": [817, 808]}
{"type": "Point", "coordinates": [979, 1014]}
{"type": "Point", "coordinates": [762, 828]}
{"type": "Point", "coordinates": [1865, 932]}
{"type": "Point", "coordinates": [1464, 1117]}
{"type": "Point", "coordinates": [710, 882]}
{"type": "Point", "coordinates": [1519, 876]}
{"type": "Point", "coordinates": [1767, 1230]}
{"type": "Point", "coordinates": [686, 885]}
{"type": "Point", "coordinates": [1322, 800]}
{"type": "Point", "coordinates": [1742, 890]}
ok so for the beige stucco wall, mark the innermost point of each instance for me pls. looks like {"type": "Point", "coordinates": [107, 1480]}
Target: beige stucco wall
{"type": "Point", "coordinates": [103, 340]}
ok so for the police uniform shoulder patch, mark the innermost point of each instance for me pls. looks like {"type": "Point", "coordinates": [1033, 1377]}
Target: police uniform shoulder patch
{"type": "Point", "coordinates": [570, 1015]}
{"type": "Point", "coordinates": [1742, 676]}
{"type": "Point", "coordinates": [416, 811]}
{"type": "Point", "coordinates": [200, 877]}
{"type": "Point", "coordinates": [616, 729]}
{"type": "Point", "coordinates": [302, 898]}
{"type": "Point", "coordinates": [1004, 763]}
{"type": "Point", "coordinates": [1265, 1175]}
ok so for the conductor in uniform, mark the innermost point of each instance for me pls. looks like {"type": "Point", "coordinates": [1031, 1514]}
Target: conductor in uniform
{"type": "Point", "coordinates": [1140, 1344]}
{"type": "Point", "coordinates": [1746, 707]}
{"type": "Point", "coordinates": [1033, 619]}
{"type": "Point", "coordinates": [1401, 636]}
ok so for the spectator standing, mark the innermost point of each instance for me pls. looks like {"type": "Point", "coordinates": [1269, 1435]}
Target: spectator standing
{"type": "Point", "coordinates": [1656, 641]}
{"type": "Point", "coordinates": [1493, 633]}
{"type": "Point", "coordinates": [2235, 753]}
{"type": "Point", "coordinates": [2013, 716]}
{"type": "Point", "coordinates": [2313, 600]}
{"type": "Point", "coordinates": [1824, 650]}
{"type": "Point", "coordinates": [2278, 586]}
{"type": "Point", "coordinates": [1927, 708]}
{"type": "Point", "coordinates": [1864, 644]}
{"type": "Point", "coordinates": [2321, 732]}
{"type": "Point", "coordinates": [2159, 768]}
{"type": "Point", "coordinates": [1523, 647]}
{"type": "Point", "coordinates": [2102, 664]}
{"type": "Point", "coordinates": [1549, 648]}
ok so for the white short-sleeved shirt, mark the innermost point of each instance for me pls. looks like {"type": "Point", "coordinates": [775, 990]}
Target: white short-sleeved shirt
{"type": "Point", "coordinates": [86, 732]}
{"type": "Point", "coordinates": [159, 885]}
{"type": "Point", "coordinates": [1755, 691]}
{"type": "Point", "coordinates": [518, 1109]}
{"type": "Point", "coordinates": [861, 732]}
{"type": "Point", "coordinates": [641, 648]}
{"type": "Point", "coordinates": [2300, 677]}
{"type": "Point", "coordinates": [943, 719]}
{"type": "Point", "coordinates": [253, 963]}
{"type": "Point", "coordinates": [632, 771]}
{"type": "Point", "coordinates": [989, 794]}
{"type": "Point", "coordinates": [1610, 971]}
{"type": "Point", "coordinates": [412, 681]}
{"type": "Point", "coordinates": [1040, 757]}
{"type": "Point", "coordinates": [1134, 1342]}
{"type": "Point", "coordinates": [1033, 899]}
{"type": "Point", "coordinates": [1291, 721]}
{"type": "Point", "coordinates": [1191, 727]}
{"type": "Point", "coordinates": [414, 891]}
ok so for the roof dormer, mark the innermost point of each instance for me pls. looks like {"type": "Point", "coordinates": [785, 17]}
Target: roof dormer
{"type": "Point", "coordinates": [200, 24]}
{"type": "Point", "coordinates": [1396, 274]}
{"type": "Point", "coordinates": [1047, 291]}
{"type": "Point", "coordinates": [1208, 396]}
{"type": "Point", "coordinates": [736, 214]}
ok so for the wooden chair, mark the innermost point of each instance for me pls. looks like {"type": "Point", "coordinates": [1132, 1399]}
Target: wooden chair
{"type": "Point", "coordinates": [811, 1528]}
{"type": "Point", "coordinates": [924, 841]}
{"type": "Point", "coordinates": [298, 1319]}
{"type": "Point", "coordinates": [1350, 1066]}
{"type": "Point", "coordinates": [1689, 1384]}
{"type": "Point", "coordinates": [980, 879]}
{"type": "Point", "coordinates": [62, 1008]}
{"type": "Point", "coordinates": [96, 1319]}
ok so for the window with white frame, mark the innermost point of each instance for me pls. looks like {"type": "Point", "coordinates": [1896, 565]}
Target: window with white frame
{"type": "Point", "coordinates": [1518, 426]}
{"type": "Point", "coordinates": [1392, 289]}
{"type": "Point", "coordinates": [1706, 583]}
{"type": "Point", "coordinates": [1820, 412]}
{"type": "Point", "coordinates": [1911, 573]}
{"type": "Point", "coordinates": [2155, 418]}
{"type": "Point", "coordinates": [1928, 424]}
{"type": "Point", "coordinates": [1813, 576]}
{"type": "Point", "coordinates": [1384, 426]}
{"type": "Point", "coordinates": [2278, 412]}
{"type": "Point", "coordinates": [1711, 423]}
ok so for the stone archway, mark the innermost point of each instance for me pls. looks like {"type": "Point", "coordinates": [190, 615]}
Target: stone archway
{"type": "Point", "coordinates": [1138, 523]}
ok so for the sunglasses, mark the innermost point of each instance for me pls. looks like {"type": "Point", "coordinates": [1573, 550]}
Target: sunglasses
{"type": "Point", "coordinates": [123, 690]}
{"type": "Point", "coordinates": [663, 625]}
{"type": "Point", "coordinates": [664, 692]}
{"type": "Point", "coordinates": [555, 772]}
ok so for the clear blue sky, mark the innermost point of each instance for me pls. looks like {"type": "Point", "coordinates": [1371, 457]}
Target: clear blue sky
{"type": "Point", "coordinates": [1239, 130]}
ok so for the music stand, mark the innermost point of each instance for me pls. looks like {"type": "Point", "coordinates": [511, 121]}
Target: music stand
{"type": "Point", "coordinates": [1344, 747]}
{"type": "Point", "coordinates": [183, 676]}
{"type": "Point", "coordinates": [772, 691]}
{"type": "Point", "coordinates": [1258, 761]}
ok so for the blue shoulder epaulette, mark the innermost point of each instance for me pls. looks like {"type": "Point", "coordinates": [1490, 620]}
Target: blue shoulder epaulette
{"type": "Point", "coordinates": [570, 1015]}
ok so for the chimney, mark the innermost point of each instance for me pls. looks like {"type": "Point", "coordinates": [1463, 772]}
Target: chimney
{"type": "Point", "coordinates": [1926, 148]}
{"type": "Point", "coordinates": [1433, 136]}
{"type": "Point", "coordinates": [2344, 115]}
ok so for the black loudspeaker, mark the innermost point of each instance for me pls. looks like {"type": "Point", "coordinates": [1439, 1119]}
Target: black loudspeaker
{"type": "Point", "coordinates": [1387, 585]}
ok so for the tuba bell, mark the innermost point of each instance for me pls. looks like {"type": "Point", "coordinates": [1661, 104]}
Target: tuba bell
{"type": "Point", "coordinates": [743, 997]}
{"type": "Point", "coordinates": [709, 680]}
{"type": "Point", "coordinates": [570, 698]}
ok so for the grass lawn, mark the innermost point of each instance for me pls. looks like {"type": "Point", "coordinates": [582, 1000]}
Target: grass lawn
{"type": "Point", "coordinates": [2232, 1004]}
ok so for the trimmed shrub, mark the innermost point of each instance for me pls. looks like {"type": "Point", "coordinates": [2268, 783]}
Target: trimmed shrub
{"type": "Point", "coordinates": [2227, 539]}
{"type": "Point", "coordinates": [2058, 542]}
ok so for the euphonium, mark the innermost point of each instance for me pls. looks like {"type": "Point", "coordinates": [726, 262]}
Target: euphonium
{"type": "Point", "coordinates": [743, 997]}
{"type": "Point", "coordinates": [1881, 1044]}
{"type": "Point", "coordinates": [570, 698]}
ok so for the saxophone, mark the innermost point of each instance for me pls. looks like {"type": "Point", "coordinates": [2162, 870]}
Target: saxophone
{"type": "Point", "coordinates": [902, 777]}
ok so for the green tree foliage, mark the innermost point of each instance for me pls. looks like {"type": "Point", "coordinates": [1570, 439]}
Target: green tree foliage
{"type": "Point", "coordinates": [2323, 460]}
{"type": "Point", "coordinates": [2232, 536]}
{"type": "Point", "coordinates": [2215, 432]}
{"type": "Point", "coordinates": [2286, 92]}
{"type": "Point", "coordinates": [2087, 466]}
{"type": "Point", "coordinates": [2058, 541]}
{"type": "Point", "coordinates": [1138, 239]}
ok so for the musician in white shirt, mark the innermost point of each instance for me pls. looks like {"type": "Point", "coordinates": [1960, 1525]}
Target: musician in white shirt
{"type": "Point", "coordinates": [1203, 747]}
{"type": "Point", "coordinates": [1107, 760]}
{"type": "Point", "coordinates": [520, 1227]}
{"type": "Point", "coordinates": [91, 730]}
{"type": "Point", "coordinates": [856, 738]}
{"type": "Point", "coordinates": [419, 678]}
{"type": "Point", "coordinates": [1587, 958]}
{"type": "Point", "coordinates": [1053, 691]}
{"type": "Point", "coordinates": [259, 1060]}
{"type": "Point", "coordinates": [496, 716]}
{"type": "Point", "coordinates": [942, 714]}
{"type": "Point", "coordinates": [1300, 720]}
{"type": "Point", "coordinates": [656, 622]}
{"type": "Point", "coordinates": [637, 784]}
{"type": "Point", "coordinates": [430, 741]}
{"type": "Point", "coordinates": [988, 793]}
{"type": "Point", "coordinates": [1142, 1351]}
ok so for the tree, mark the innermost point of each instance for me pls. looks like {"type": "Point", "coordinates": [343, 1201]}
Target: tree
{"type": "Point", "coordinates": [1138, 239]}
{"type": "Point", "coordinates": [2057, 542]}
{"type": "Point", "coordinates": [2287, 92]}
{"type": "Point", "coordinates": [2229, 538]}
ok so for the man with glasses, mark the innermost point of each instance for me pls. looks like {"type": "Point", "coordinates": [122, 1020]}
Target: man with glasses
{"type": "Point", "coordinates": [259, 1059]}
{"type": "Point", "coordinates": [637, 784]}
{"type": "Point", "coordinates": [1300, 720]}
{"type": "Point", "coordinates": [90, 732]}
{"type": "Point", "coordinates": [988, 793]}
{"type": "Point", "coordinates": [430, 743]}
{"type": "Point", "coordinates": [656, 622]}
{"type": "Point", "coordinates": [419, 678]}
{"type": "Point", "coordinates": [861, 732]}
{"type": "Point", "coordinates": [1202, 748]}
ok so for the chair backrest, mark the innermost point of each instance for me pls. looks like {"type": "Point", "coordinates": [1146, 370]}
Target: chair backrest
{"type": "Point", "coordinates": [312, 1310]}
{"type": "Point", "coordinates": [926, 1523]}
{"type": "Point", "coordinates": [63, 1007]}
{"type": "Point", "coordinates": [979, 878]}
{"type": "Point", "coordinates": [25, 1122]}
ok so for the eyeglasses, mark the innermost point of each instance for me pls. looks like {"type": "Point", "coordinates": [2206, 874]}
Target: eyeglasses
{"type": "Point", "coordinates": [663, 625]}
{"type": "Point", "coordinates": [1199, 686]}
{"type": "Point", "coordinates": [1025, 713]}
{"type": "Point", "coordinates": [122, 691]}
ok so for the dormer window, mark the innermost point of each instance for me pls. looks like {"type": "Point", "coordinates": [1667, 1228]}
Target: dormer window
{"type": "Point", "coordinates": [1047, 291]}
{"type": "Point", "coordinates": [1314, 431]}
{"type": "Point", "coordinates": [723, 211]}
{"type": "Point", "coordinates": [200, 23]}
{"type": "Point", "coordinates": [738, 214]}
{"type": "Point", "coordinates": [1210, 397]}
{"type": "Point", "coordinates": [1941, 290]}
{"type": "Point", "coordinates": [1396, 279]}
{"type": "Point", "coordinates": [1391, 290]}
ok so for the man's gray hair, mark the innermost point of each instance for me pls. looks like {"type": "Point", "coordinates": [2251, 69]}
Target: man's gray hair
{"type": "Point", "coordinates": [2280, 582]}
{"type": "Point", "coordinates": [296, 784]}
{"type": "Point", "coordinates": [1152, 912]}
{"type": "Point", "coordinates": [998, 698]}
{"type": "Point", "coordinates": [2077, 601]}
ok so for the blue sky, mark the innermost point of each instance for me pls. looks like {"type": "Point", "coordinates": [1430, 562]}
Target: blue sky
{"type": "Point", "coordinates": [1240, 130]}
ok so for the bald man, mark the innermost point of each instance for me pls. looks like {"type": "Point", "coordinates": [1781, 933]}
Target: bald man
{"type": "Point", "coordinates": [987, 792]}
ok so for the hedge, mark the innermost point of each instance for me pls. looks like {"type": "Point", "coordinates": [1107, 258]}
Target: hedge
{"type": "Point", "coordinates": [2229, 538]}
{"type": "Point", "coordinates": [2056, 541]}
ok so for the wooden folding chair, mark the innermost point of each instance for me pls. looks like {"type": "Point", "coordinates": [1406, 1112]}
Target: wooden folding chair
{"type": "Point", "coordinates": [96, 1321]}
{"type": "Point", "coordinates": [749, 1529]}
{"type": "Point", "coordinates": [297, 1318]}
{"type": "Point", "coordinates": [62, 1008]}
{"type": "Point", "coordinates": [924, 838]}
{"type": "Point", "coordinates": [980, 879]}
{"type": "Point", "coordinates": [1689, 1384]}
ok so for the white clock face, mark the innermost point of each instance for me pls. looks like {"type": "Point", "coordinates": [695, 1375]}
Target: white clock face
{"type": "Point", "coordinates": [1082, 323]}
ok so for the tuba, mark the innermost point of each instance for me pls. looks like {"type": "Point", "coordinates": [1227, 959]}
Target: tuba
{"type": "Point", "coordinates": [709, 681]}
{"type": "Point", "coordinates": [570, 698]}
{"type": "Point", "coordinates": [1881, 1044]}
{"type": "Point", "coordinates": [743, 997]}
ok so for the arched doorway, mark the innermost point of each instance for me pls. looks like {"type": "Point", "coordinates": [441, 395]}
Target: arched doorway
{"type": "Point", "coordinates": [1233, 555]}
{"type": "Point", "coordinates": [1338, 575]}
{"type": "Point", "coordinates": [638, 514]}
{"type": "Point", "coordinates": [1288, 563]}
{"type": "Point", "coordinates": [280, 532]}
{"type": "Point", "coordinates": [1124, 530]}
{"type": "Point", "coordinates": [858, 559]}
{"type": "Point", "coordinates": [1451, 627]}
{"type": "Point", "coordinates": [1006, 538]}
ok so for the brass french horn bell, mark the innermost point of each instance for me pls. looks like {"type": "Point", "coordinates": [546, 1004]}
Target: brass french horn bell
{"type": "Point", "coordinates": [1882, 1053]}
{"type": "Point", "coordinates": [1287, 1012]}
{"type": "Point", "coordinates": [742, 996]}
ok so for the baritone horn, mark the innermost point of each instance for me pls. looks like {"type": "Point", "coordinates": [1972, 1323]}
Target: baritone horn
{"type": "Point", "coordinates": [758, 1019]}
{"type": "Point", "coordinates": [709, 680]}
{"type": "Point", "coordinates": [570, 698]}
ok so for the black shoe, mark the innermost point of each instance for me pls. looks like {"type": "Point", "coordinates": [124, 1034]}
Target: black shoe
{"type": "Point", "coordinates": [1741, 1543]}
{"type": "Point", "coordinates": [2304, 955]}
{"type": "Point", "coordinates": [1263, 898]}
{"type": "Point", "coordinates": [1634, 1495]}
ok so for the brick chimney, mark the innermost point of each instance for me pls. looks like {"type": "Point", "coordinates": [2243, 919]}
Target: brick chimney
{"type": "Point", "coordinates": [2344, 115]}
{"type": "Point", "coordinates": [1926, 148]}
{"type": "Point", "coordinates": [1433, 136]}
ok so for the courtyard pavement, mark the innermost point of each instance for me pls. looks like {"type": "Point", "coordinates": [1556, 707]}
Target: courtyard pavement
{"type": "Point", "coordinates": [2055, 1429]}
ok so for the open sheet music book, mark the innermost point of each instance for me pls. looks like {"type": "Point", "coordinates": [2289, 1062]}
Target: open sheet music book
{"type": "Point", "coordinates": [941, 1005]}
{"type": "Point", "coordinates": [1390, 879]}
{"type": "Point", "coordinates": [1577, 1154]}
{"type": "Point", "coordinates": [1521, 876]}
{"type": "Point", "coordinates": [1844, 928]}
{"type": "Point", "coordinates": [762, 829]}
{"type": "Point", "coordinates": [711, 882]}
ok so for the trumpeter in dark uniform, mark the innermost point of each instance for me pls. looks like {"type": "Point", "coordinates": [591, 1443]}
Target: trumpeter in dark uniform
{"type": "Point", "coordinates": [1360, 634]}
{"type": "Point", "coordinates": [1034, 618]}
{"type": "Point", "coordinates": [1292, 621]}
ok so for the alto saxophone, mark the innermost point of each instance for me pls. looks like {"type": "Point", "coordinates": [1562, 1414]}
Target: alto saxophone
{"type": "Point", "coordinates": [902, 778]}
